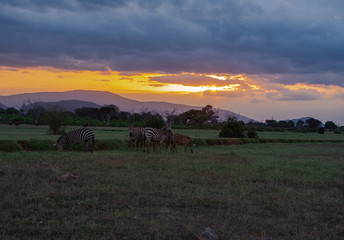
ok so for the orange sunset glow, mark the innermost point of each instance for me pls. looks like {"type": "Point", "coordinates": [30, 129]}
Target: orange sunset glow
{"type": "Point", "coordinates": [49, 79]}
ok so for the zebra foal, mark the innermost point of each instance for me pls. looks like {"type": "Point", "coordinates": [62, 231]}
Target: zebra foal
{"type": "Point", "coordinates": [77, 136]}
{"type": "Point", "coordinates": [181, 139]}
{"type": "Point", "coordinates": [153, 135]}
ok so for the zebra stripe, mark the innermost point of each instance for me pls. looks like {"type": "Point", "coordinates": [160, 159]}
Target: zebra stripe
{"type": "Point", "coordinates": [152, 135]}
{"type": "Point", "coordinates": [136, 136]}
{"type": "Point", "coordinates": [181, 139]}
{"type": "Point", "coordinates": [77, 136]}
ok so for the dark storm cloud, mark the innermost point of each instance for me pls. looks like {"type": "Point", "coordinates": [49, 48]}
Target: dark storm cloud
{"type": "Point", "coordinates": [296, 38]}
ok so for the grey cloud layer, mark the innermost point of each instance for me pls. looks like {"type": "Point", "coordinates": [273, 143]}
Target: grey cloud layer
{"type": "Point", "coordinates": [249, 36]}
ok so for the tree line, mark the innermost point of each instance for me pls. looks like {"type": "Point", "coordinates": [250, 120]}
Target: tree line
{"type": "Point", "coordinates": [110, 115]}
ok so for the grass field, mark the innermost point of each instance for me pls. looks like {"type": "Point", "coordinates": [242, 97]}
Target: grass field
{"type": "Point", "coordinates": [250, 191]}
{"type": "Point", "coordinates": [26, 132]}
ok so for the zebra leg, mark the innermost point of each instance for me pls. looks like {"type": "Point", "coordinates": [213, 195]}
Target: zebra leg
{"type": "Point", "coordinates": [160, 145]}
{"type": "Point", "coordinates": [148, 143]}
{"type": "Point", "coordinates": [136, 145]}
{"type": "Point", "coordinates": [90, 144]}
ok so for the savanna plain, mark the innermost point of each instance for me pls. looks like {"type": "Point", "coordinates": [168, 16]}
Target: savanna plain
{"type": "Point", "coordinates": [291, 190]}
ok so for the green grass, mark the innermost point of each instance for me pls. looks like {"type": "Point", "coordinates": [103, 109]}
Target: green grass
{"type": "Point", "coordinates": [251, 191]}
{"type": "Point", "coordinates": [27, 132]}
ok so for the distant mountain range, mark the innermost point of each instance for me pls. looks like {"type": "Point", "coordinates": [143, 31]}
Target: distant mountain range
{"type": "Point", "coordinates": [2, 106]}
{"type": "Point", "coordinates": [71, 100]}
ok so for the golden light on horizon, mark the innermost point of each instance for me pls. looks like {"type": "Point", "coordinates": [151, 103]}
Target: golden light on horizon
{"type": "Point", "coordinates": [202, 88]}
{"type": "Point", "coordinates": [20, 80]}
{"type": "Point", "coordinates": [26, 80]}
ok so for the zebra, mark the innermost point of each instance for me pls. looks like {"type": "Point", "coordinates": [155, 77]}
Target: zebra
{"type": "Point", "coordinates": [182, 140]}
{"type": "Point", "coordinates": [136, 136]}
{"type": "Point", "coordinates": [77, 136]}
{"type": "Point", "coordinates": [152, 135]}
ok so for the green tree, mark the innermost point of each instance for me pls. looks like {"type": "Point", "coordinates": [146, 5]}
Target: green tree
{"type": "Point", "coordinates": [136, 117]}
{"type": "Point", "coordinates": [87, 112]}
{"type": "Point", "coordinates": [210, 114]}
{"type": "Point", "coordinates": [300, 123]}
{"type": "Point", "coordinates": [12, 110]}
{"type": "Point", "coordinates": [197, 117]}
{"type": "Point", "coordinates": [330, 125]}
{"type": "Point", "coordinates": [56, 118]}
{"type": "Point", "coordinates": [154, 121]}
{"type": "Point", "coordinates": [271, 123]}
{"type": "Point", "coordinates": [108, 112]}
{"type": "Point", "coordinates": [232, 128]}
{"type": "Point", "coordinates": [321, 130]}
{"type": "Point", "coordinates": [285, 124]}
{"type": "Point", "coordinates": [313, 123]}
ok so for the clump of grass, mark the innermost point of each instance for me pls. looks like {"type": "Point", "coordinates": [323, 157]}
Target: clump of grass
{"type": "Point", "coordinates": [37, 145]}
{"type": "Point", "coordinates": [10, 146]}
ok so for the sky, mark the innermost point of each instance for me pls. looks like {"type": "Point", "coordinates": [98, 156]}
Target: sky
{"type": "Point", "coordinates": [264, 59]}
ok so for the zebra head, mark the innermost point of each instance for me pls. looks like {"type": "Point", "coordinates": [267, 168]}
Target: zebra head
{"type": "Point", "coordinates": [60, 142]}
{"type": "Point", "coordinates": [192, 147]}
{"type": "Point", "coordinates": [131, 131]}
{"type": "Point", "coordinates": [167, 128]}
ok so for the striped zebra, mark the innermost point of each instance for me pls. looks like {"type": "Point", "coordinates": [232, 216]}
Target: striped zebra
{"type": "Point", "coordinates": [153, 135]}
{"type": "Point", "coordinates": [136, 136]}
{"type": "Point", "coordinates": [77, 136]}
{"type": "Point", "coordinates": [181, 139]}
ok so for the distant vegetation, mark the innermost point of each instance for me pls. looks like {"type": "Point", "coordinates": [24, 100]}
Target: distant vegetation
{"type": "Point", "coordinates": [110, 115]}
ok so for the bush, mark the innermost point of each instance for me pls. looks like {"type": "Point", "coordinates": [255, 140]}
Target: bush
{"type": "Point", "coordinates": [252, 134]}
{"type": "Point", "coordinates": [321, 130]}
{"type": "Point", "coordinates": [337, 131]}
{"type": "Point", "coordinates": [232, 128]}
{"type": "Point", "coordinates": [155, 121]}
{"type": "Point", "coordinates": [56, 118]}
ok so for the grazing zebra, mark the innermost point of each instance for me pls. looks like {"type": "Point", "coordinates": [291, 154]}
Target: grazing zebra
{"type": "Point", "coordinates": [77, 136]}
{"type": "Point", "coordinates": [182, 140]}
{"type": "Point", "coordinates": [136, 136]}
{"type": "Point", "coordinates": [153, 135]}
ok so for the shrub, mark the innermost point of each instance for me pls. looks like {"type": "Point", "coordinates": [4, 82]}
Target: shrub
{"type": "Point", "coordinates": [232, 128]}
{"type": "Point", "coordinates": [155, 121]}
{"type": "Point", "coordinates": [252, 134]}
{"type": "Point", "coordinates": [56, 118]}
{"type": "Point", "coordinates": [337, 131]}
{"type": "Point", "coordinates": [321, 130]}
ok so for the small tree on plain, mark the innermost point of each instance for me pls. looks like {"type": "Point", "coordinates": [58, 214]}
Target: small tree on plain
{"type": "Point", "coordinates": [233, 128]}
{"type": "Point", "coordinates": [330, 125]}
{"type": "Point", "coordinates": [313, 123]}
{"type": "Point", "coordinates": [321, 130]}
{"type": "Point", "coordinates": [155, 121]}
{"type": "Point", "coordinates": [56, 118]}
{"type": "Point", "coordinates": [107, 112]}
